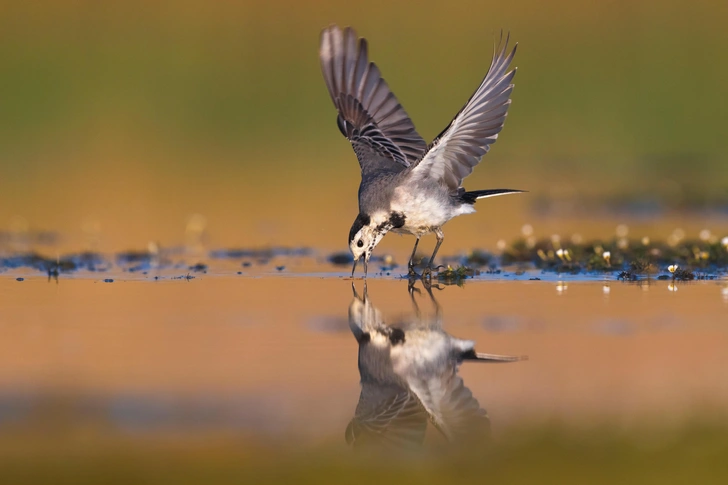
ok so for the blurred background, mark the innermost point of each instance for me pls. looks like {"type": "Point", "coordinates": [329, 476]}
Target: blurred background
{"type": "Point", "coordinates": [120, 120]}
{"type": "Point", "coordinates": [129, 123]}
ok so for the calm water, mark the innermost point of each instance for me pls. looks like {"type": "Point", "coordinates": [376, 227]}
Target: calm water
{"type": "Point", "coordinates": [271, 354]}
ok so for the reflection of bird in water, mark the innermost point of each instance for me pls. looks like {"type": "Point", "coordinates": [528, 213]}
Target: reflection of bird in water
{"type": "Point", "coordinates": [409, 377]}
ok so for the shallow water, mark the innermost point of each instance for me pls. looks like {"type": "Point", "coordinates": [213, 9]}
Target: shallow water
{"type": "Point", "coordinates": [270, 354]}
{"type": "Point", "coordinates": [167, 132]}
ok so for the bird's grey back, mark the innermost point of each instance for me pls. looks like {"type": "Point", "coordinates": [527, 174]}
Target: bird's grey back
{"type": "Point", "coordinates": [376, 191]}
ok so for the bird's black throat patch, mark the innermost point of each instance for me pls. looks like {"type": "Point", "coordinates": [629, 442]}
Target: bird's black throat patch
{"type": "Point", "coordinates": [396, 219]}
{"type": "Point", "coordinates": [396, 336]}
{"type": "Point", "coordinates": [360, 221]}
{"type": "Point", "coordinates": [364, 338]}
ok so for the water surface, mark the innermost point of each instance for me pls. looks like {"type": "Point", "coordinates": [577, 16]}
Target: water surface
{"type": "Point", "coordinates": [271, 356]}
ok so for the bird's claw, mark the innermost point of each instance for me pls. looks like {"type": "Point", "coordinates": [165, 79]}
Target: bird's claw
{"type": "Point", "coordinates": [427, 284]}
{"type": "Point", "coordinates": [427, 273]}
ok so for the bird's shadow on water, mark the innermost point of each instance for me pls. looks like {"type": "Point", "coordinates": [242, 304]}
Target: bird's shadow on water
{"type": "Point", "coordinates": [409, 379]}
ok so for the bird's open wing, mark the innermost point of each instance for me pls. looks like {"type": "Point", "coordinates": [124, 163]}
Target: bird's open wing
{"type": "Point", "coordinates": [387, 416]}
{"type": "Point", "coordinates": [370, 117]}
{"type": "Point", "coordinates": [457, 150]}
{"type": "Point", "coordinates": [452, 408]}
{"type": "Point", "coordinates": [462, 418]}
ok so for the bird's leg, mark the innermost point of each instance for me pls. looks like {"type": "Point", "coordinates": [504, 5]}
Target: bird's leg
{"type": "Point", "coordinates": [438, 309]}
{"type": "Point", "coordinates": [411, 290]}
{"type": "Point", "coordinates": [440, 237]}
{"type": "Point", "coordinates": [411, 280]}
{"type": "Point", "coordinates": [411, 264]}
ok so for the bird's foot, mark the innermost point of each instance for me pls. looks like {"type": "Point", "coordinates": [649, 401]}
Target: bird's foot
{"type": "Point", "coordinates": [411, 289]}
{"type": "Point", "coordinates": [411, 271]}
{"type": "Point", "coordinates": [427, 273]}
{"type": "Point", "coordinates": [428, 285]}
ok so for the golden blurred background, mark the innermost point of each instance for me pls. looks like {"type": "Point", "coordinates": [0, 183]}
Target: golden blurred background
{"type": "Point", "coordinates": [125, 123]}
{"type": "Point", "coordinates": [119, 120]}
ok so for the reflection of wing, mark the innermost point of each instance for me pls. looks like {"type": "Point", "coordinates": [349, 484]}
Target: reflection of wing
{"type": "Point", "coordinates": [452, 408]}
{"type": "Point", "coordinates": [370, 117]}
{"type": "Point", "coordinates": [388, 416]}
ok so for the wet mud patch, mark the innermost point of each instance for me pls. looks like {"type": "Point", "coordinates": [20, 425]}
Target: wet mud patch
{"type": "Point", "coordinates": [525, 258]}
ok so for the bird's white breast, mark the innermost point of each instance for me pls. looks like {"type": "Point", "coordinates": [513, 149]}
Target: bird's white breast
{"type": "Point", "coordinates": [423, 352]}
{"type": "Point", "coordinates": [424, 211]}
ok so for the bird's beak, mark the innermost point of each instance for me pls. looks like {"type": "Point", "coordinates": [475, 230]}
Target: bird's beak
{"type": "Point", "coordinates": [363, 298]}
{"type": "Point", "coordinates": [354, 268]}
{"type": "Point", "coordinates": [365, 258]}
{"type": "Point", "coordinates": [353, 290]}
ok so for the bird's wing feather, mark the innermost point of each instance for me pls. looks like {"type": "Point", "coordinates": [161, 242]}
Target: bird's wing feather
{"type": "Point", "coordinates": [389, 416]}
{"type": "Point", "coordinates": [452, 408]}
{"type": "Point", "coordinates": [370, 116]}
{"type": "Point", "coordinates": [459, 148]}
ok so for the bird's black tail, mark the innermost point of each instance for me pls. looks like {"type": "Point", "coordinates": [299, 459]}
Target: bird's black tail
{"type": "Point", "coordinates": [472, 355]}
{"type": "Point", "coordinates": [471, 197]}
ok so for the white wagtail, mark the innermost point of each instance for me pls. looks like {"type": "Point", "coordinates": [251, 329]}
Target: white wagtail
{"type": "Point", "coordinates": [408, 186]}
{"type": "Point", "coordinates": [409, 378]}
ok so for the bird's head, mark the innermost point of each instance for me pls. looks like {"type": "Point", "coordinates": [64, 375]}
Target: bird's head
{"type": "Point", "coordinates": [364, 236]}
{"type": "Point", "coordinates": [366, 321]}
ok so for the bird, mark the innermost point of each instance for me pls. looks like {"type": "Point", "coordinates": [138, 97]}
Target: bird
{"type": "Point", "coordinates": [409, 378]}
{"type": "Point", "coordinates": [408, 186]}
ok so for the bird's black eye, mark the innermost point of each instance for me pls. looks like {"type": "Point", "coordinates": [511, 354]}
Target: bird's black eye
{"type": "Point", "coordinates": [359, 243]}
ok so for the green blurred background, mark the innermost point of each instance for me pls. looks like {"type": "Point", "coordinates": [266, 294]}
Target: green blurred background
{"type": "Point", "coordinates": [130, 116]}
{"type": "Point", "coordinates": [119, 120]}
